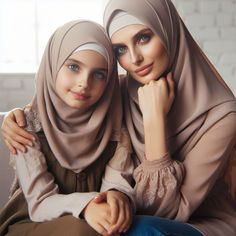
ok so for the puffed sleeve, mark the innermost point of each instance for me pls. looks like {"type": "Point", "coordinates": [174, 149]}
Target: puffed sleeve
{"type": "Point", "coordinates": [168, 188]}
{"type": "Point", "coordinates": [40, 190]}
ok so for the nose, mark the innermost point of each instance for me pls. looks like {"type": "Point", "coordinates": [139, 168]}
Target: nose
{"type": "Point", "coordinates": [83, 80]}
{"type": "Point", "coordinates": [135, 56]}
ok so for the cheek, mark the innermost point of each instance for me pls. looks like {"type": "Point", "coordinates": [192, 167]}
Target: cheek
{"type": "Point", "coordinates": [160, 50]}
{"type": "Point", "coordinates": [124, 61]}
{"type": "Point", "coordinates": [63, 83]}
{"type": "Point", "coordinates": [99, 90]}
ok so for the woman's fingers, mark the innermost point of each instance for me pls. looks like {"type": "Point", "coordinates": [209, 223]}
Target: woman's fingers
{"type": "Point", "coordinates": [171, 84]}
{"type": "Point", "coordinates": [18, 116]}
{"type": "Point", "coordinates": [15, 145]}
{"type": "Point", "coordinates": [10, 147]}
{"type": "Point", "coordinates": [14, 130]}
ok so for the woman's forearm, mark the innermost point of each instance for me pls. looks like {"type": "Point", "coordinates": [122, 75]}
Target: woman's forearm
{"type": "Point", "coordinates": [155, 137]}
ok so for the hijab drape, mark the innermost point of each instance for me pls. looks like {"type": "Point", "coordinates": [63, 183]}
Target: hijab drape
{"type": "Point", "coordinates": [77, 137]}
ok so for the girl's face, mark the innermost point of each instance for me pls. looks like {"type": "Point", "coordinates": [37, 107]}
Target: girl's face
{"type": "Point", "coordinates": [82, 79]}
{"type": "Point", "coordinates": [140, 52]}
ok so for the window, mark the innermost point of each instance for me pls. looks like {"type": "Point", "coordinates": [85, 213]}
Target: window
{"type": "Point", "coordinates": [26, 25]}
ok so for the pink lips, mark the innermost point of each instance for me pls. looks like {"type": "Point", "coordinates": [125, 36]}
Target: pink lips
{"type": "Point", "coordinates": [144, 70]}
{"type": "Point", "coordinates": [80, 95]}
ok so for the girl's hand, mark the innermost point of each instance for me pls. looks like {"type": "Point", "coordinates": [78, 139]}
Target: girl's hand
{"type": "Point", "coordinates": [156, 98]}
{"type": "Point", "coordinates": [14, 135]}
{"type": "Point", "coordinates": [98, 216]}
{"type": "Point", "coordinates": [121, 213]}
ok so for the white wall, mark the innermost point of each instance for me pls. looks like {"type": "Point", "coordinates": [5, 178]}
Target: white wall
{"type": "Point", "coordinates": [212, 23]}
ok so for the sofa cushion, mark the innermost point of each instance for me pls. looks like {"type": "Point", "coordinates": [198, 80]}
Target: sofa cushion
{"type": "Point", "coordinates": [6, 172]}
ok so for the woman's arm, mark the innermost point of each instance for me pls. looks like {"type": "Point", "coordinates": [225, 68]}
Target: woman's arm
{"type": "Point", "coordinates": [155, 100]}
{"type": "Point", "coordinates": [182, 187]}
{"type": "Point", "coordinates": [15, 137]}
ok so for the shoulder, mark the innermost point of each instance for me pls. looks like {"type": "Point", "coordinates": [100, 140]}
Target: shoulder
{"type": "Point", "coordinates": [228, 122]}
{"type": "Point", "coordinates": [33, 121]}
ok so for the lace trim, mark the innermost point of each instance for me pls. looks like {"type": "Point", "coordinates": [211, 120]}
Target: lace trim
{"type": "Point", "coordinates": [33, 121]}
{"type": "Point", "coordinates": [155, 185]}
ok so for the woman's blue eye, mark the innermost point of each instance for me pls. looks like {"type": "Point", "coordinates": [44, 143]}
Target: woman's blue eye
{"type": "Point", "coordinates": [73, 67]}
{"type": "Point", "coordinates": [99, 76]}
{"type": "Point", "coordinates": [144, 38]}
{"type": "Point", "coordinates": [120, 50]}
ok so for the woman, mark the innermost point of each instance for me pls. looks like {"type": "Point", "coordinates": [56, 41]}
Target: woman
{"type": "Point", "coordinates": [76, 121]}
{"type": "Point", "coordinates": [183, 140]}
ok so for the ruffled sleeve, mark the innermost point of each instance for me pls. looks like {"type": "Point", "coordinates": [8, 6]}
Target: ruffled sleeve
{"type": "Point", "coordinates": [157, 184]}
{"type": "Point", "coordinates": [172, 189]}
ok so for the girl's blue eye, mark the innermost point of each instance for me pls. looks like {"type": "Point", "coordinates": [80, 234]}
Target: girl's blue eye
{"type": "Point", "coordinates": [99, 76]}
{"type": "Point", "coordinates": [73, 67]}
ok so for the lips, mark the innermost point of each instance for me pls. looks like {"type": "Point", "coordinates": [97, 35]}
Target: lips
{"type": "Point", "coordinates": [80, 95]}
{"type": "Point", "coordinates": [142, 71]}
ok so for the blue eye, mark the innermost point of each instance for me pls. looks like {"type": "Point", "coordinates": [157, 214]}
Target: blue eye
{"type": "Point", "coordinates": [119, 50]}
{"type": "Point", "coordinates": [73, 67]}
{"type": "Point", "coordinates": [99, 76]}
{"type": "Point", "coordinates": [144, 38]}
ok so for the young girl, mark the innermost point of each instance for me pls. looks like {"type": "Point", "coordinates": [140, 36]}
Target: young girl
{"type": "Point", "coordinates": [182, 139]}
{"type": "Point", "coordinates": [75, 118]}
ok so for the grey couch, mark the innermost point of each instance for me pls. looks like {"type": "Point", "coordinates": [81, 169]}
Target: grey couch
{"type": "Point", "coordinates": [6, 172]}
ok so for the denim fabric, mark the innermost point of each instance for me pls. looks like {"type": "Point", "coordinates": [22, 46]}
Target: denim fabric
{"type": "Point", "coordinates": [156, 226]}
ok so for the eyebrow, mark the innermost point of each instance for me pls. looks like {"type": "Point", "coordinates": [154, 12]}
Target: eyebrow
{"type": "Point", "coordinates": [145, 30]}
{"type": "Point", "coordinates": [81, 63]}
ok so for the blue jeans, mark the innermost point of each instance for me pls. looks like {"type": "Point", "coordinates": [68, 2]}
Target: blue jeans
{"type": "Point", "coordinates": [157, 226]}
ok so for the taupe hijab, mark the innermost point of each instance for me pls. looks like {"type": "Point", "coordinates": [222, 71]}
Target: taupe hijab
{"type": "Point", "coordinates": [77, 137]}
{"type": "Point", "coordinates": [199, 88]}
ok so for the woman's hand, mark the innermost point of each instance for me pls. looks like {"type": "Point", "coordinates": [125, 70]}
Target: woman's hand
{"type": "Point", "coordinates": [156, 98]}
{"type": "Point", "coordinates": [15, 137]}
{"type": "Point", "coordinates": [121, 212]}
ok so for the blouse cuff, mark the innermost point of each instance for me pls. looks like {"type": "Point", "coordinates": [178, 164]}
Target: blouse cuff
{"type": "Point", "coordinates": [79, 202]}
{"type": "Point", "coordinates": [158, 164]}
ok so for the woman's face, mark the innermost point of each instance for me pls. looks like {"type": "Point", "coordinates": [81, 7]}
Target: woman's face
{"type": "Point", "coordinates": [82, 79]}
{"type": "Point", "coordinates": [140, 52]}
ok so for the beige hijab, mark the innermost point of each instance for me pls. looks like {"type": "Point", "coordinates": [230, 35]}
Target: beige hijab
{"type": "Point", "coordinates": [77, 138]}
{"type": "Point", "coordinates": [199, 88]}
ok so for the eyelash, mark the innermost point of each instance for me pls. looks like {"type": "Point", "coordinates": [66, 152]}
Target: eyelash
{"type": "Point", "coordinates": [117, 51]}
{"type": "Point", "coordinates": [146, 38]}
{"type": "Point", "coordinates": [102, 76]}
{"type": "Point", "coordinates": [141, 39]}
{"type": "Point", "coordinates": [73, 67]}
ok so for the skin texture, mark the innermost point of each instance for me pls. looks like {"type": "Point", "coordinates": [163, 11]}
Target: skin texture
{"type": "Point", "coordinates": [136, 47]}
{"type": "Point", "coordinates": [82, 79]}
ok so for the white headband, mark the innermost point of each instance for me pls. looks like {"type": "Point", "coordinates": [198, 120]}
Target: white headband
{"type": "Point", "coordinates": [120, 20]}
{"type": "Point", "coordinates": [92, 46]}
